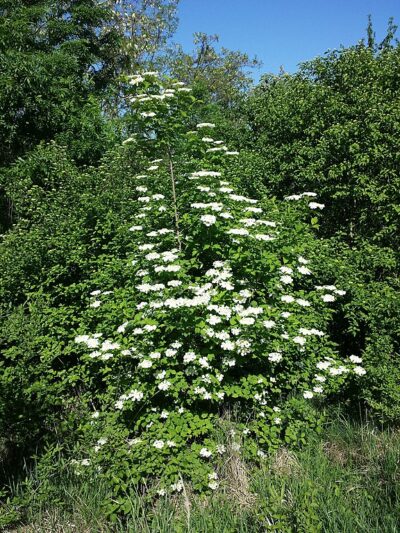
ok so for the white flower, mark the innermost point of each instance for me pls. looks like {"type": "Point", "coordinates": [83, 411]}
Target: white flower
{"type": "Point", "coordinates": [308, 395]}
{"type": "Point", "coordinates": [136, 79]}
{"type": "Point", "coordinates": [174, 283]}
{"type": "Point", "coordinates": [337, 371]}
{"type": "Point", "coordinates": [286, 270]}
{"type": "Point", "coordinates": [135, 228]}
{"type": "Point", "coordinates": [286, 279]}
{"type": "Point", "coordinates": [107, 346]}
{"type": "Point", "coordinates": [176, 345]}
{"type": "Point", "coordinates": [189, 357]}
{"type": "Point", "coordinates": [82, 338]}
{"type": "Point", "coordinates": [228, 345]}
{"type": "Point", "coordinates": [328, 298]}
{"type": "Point", "coordinates": [287, 298]}
{"type": "Point", "coordinates": [178, 486]}
{"type": "Point", "coordinates": [226, 285]}
{"type": "Point", "coordinates": [95, 304]}
{"type": "Point", "coordinates": [302, 302]}
{"type": "Point", "coordinates": [302, 260]}
{"type": "Point", "coordinates": [315, 205]}
{"type": "Point", "coordinates": [204, 452]}
{"type": "Point", "coordinates": [323, 365]}
{"type": "Point", "coordinates": [122, 327]}
{"type": "Point", "coordinates": [164, 385]}
{"type": "Point", "coordinates": [168, 268]}
{"type": "Point", "coordinates": [208, 220]}
{"type": "Point", "coordinates": [277, 420]}
{"type": "Point", "coordinates": [275, 357]}
{"type": "Point", "coordinates": [148, 114]}
{"type": "Point", "coordinates": [247, 321]}
{"type": "Point", "coordinates": [135, 395]}
{"type": "Point", "coordinates": [304, 270]}
{"type": "Point", "coordinates": [152, 256]}
{"type": "Point", "coordinates": [95, 293]}
{"type": "Point", "coordinates": [299, 340]}
{"type": "Point", "coordinates": [213, 485]}
{"type": "Point", "coordinates": [321, 379]}
{"type": "Point", "coordinates": [263, 237]}
{"type": "Point", "coordinates": [359, 370]}
{"type": "Point", "coordinates": [254, 209]}
{"type": "Point", "coordinates": [252, 311]}
{"type": "Point", "coordinates": [318, 390]}
{"type": "Point", "coordinates": [159, 444]}
{"type": "Point", "coordinates": [145, 364]}
{"type": "Point", "coordinates": [355, 359]}
{"type": "Point", "coordinates": [203, 362]}
{"type": "Point", "coordinates": [213, 320]}
{"type": "Point", "coordinates": [205, 125]}
{"type": "Point", "coordinates": [238, 231]}
{"type": "Point", "coordinates": [238, 198]}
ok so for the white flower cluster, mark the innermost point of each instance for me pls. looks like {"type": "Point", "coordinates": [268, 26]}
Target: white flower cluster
{"type": "Point", "coordinates": [199, 320]}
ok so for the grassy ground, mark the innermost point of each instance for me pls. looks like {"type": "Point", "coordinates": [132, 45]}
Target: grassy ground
{"type": "Point", "coordinates": [346, 482]}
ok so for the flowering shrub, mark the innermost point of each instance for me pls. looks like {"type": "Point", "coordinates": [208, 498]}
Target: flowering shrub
{"type": "Point", "coordinates": [217, 308]}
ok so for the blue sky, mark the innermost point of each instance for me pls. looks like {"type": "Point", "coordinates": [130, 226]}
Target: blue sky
{"type": "Point", "coordinates": [284, 32]}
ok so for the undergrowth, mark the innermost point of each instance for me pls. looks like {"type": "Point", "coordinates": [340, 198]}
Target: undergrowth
{"type": "Point", "coordinates": [345, 481]}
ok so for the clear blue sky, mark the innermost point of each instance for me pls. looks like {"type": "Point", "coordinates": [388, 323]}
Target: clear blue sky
{"type": "Point", "coordinates": [284, 32]}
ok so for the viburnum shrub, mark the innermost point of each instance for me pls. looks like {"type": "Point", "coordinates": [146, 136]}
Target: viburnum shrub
{"type": "Point", "coordinates": [217, 311]}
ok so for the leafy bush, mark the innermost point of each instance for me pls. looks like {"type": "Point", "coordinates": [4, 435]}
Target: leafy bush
{"type": "Point", "coordinates": [333, 127]}
{"type": "Point", "coordinates": [208, 306]}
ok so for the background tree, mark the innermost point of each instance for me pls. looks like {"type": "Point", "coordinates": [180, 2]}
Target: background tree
{"type": "Point", "coordinates": [220, 76]}
{"type": "Point", "coordinates": [58, 65]}
{"type": "Point", "coordinates": [333, 128]}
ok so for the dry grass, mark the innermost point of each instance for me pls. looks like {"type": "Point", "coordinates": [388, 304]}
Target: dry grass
{"type": "Point", "coordinates": [285, 463]}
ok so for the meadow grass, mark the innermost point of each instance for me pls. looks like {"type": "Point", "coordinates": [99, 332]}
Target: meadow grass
{"type": "Point", "coordinates": [346, 482]}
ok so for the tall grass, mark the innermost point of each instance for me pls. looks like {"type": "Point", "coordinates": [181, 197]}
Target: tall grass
{"type": "Point", "coordinates": [346, 482]}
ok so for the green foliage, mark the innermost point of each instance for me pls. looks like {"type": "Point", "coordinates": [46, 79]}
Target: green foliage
{"type": "Point", "coordinates": [52, 59]}
{"type": "Point", "coordinates": [206, 306]}
{"type": "Point", "coordinates": [333, 128]}
{"type": "Point", "coordinates": [160, 327]}
{"type": "Point", "coordinates": [220, 76]}
{"type": "Point", "coordinates": [345, 481]}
